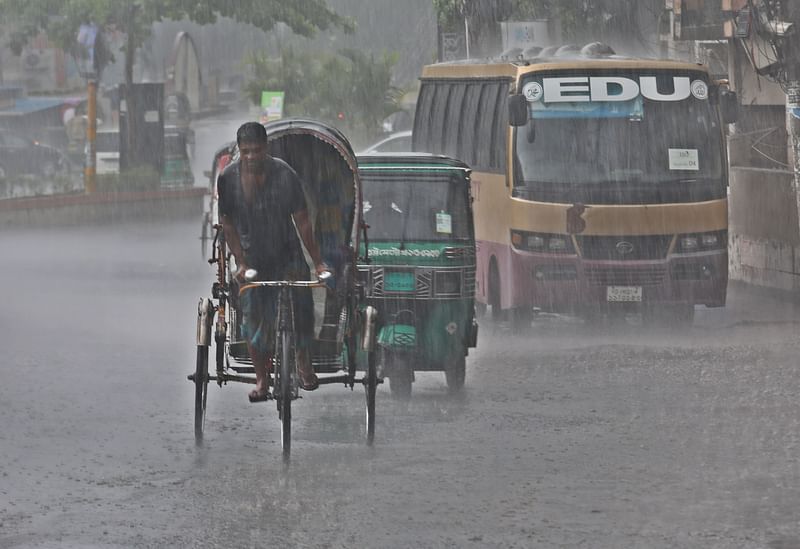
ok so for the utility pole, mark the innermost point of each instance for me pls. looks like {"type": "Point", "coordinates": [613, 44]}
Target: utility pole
{"type": "Point", "coordinates": [87, 38]}
{"type": "Point", "coordinates": [90, 169]}
{"type": "Point", "coordinates": [779, 23]}
{"type": "Point", "coordinates": [793, 99]}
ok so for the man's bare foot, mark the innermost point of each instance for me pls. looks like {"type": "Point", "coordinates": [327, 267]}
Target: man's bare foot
{"type": "Point", "coordinates": [308, 379]}
{"type": "Point", "coordinates": [259, 394]}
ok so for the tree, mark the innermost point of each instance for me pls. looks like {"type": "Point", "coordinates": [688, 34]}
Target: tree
{"type": "Point", "coordinates": [60, 19]}
{"type": "Point", "coordinates": [482, 16]}
{"type": "Point", "coordinates": [350, 89]}
{"type": "Point", "coordinates": [595, 19]}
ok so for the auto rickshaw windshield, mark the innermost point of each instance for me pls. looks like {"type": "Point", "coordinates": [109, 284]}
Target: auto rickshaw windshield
{"type": "Point", "coordinates": [428, 208]}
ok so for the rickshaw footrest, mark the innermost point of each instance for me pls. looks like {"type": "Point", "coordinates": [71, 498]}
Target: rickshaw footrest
{"type": "Point", "coordinates": [327, 380]}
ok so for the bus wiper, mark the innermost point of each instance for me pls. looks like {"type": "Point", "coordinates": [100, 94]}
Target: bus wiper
{"type": "Point", "coordinates": [407, 214]}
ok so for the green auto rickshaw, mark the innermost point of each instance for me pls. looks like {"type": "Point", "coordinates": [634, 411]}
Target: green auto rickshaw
{"type": "Point", "coordinates": [177, 170]}
{"type": "Point", "coordinates": [421, 270]}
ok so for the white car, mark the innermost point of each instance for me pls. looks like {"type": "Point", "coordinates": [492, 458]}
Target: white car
{"type": "Point", "coordinates": [396, 142]}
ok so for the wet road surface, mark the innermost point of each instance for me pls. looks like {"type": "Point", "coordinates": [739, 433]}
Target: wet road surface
{"type": "Point", "coordinates": [563, 437]}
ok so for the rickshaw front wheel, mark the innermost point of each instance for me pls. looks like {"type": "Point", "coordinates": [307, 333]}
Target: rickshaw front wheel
{"type": "Point", "coordinates": [371, 386]}
{"type": "Point", "coordinates": [284, 397]}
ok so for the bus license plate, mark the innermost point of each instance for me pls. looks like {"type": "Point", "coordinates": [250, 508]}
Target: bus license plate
{"type": "Point", "coordinates": [623, 293]}
{"type": "Point", "coordinates": [399, 281]}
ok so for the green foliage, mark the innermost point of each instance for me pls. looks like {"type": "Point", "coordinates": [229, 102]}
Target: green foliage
{"type": "Point", "coordinates": [576, 16]}
{"type": "Point", "coordinates": [62, 18]}
{"type": "Point", "coordinates": [449, 12]}
{"type": "Point", "coordinates": [140, 178]}
{"type": "Point", "coordinates": [323, 85]}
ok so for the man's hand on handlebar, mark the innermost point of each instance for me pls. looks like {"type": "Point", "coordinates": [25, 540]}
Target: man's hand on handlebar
{"type": "Point", "coordinates": [323, 271]}
{"type": "Point", "coordinates": [240, 272]}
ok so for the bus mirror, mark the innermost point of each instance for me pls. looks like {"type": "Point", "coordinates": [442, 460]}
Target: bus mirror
{"type": "Point", "coordinates": [517, 110]}
{"type": "Point", "coordinates": [530, 131]}
{"type": "Point", "coordinates": [729, 106]}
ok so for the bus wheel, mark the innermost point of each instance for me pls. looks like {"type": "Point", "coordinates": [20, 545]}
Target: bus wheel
{"type": "Point", "coordinates": [682, 315]}
{"type": "Point", "coordinates": [679, 316]}
{"type": "Point", "coordinates": [494, 291]}
{"type": "Point", "coordinates": [521, 319]}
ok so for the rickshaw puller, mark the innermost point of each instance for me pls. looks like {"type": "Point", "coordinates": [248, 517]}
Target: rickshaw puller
{"type": "Point", "coordinates": [261, 202]}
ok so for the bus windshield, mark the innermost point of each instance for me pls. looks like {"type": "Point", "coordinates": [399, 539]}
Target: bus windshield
{"type": "Point", "coordinates": [413, 208]}
{"type": "Point", "coordinates": [634, 152]}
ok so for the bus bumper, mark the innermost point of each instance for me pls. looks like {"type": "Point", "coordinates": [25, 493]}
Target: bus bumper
{"type": "Point", "coordinates": [572, 284]}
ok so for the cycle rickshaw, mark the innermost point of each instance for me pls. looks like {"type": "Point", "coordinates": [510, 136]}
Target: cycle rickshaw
{"type": "Point", "coordinates": [343, 351]}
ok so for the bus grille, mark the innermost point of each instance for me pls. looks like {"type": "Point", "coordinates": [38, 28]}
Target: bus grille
{"type": "Point", "coordinates": [624, 248]}
{"type": "Point", "coordinates": [616, 276]}
{"type": "Point", "coordinates": [469, 282]}
{"type": "Point", "coordinates": [423, 282]}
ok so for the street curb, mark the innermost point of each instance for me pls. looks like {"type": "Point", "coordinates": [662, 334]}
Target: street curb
{"type": "Point", "coordinates": [83, 209]}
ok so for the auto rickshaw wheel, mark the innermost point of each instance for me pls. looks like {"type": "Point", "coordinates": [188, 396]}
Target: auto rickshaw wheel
{"type": "Point", "coordinates": [455, 372]}
{"type": "Point", "coordinates": [400, 373]}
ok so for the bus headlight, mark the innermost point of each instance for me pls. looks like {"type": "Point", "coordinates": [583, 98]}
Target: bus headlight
{"type": "Point", "coordinates": [541, 242]}
{"type": "Point", "coordinates": [557, 244]}
{"type": "Point", "coordinates": [535, 242]}
{"type": "Point", "coordinates": [702, 242]}
{"type": "Point", "coordinates": [689, 244]}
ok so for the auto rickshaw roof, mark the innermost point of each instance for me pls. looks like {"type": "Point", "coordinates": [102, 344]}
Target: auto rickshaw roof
{"type": "Point", "coordinates": [409, 161]}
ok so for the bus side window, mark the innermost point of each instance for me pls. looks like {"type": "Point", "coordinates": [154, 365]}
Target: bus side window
{"type": "Point", "coordinates": [466, 130]}
{"type": "Point", "coordinates": [498, 156]}
{"type": "Point", "coordinates": [483, 129]}
{"type": "Point", "coordinates": [422, 129]}
{"type": "Point", "coordinates": [438, 121]}
{"type": "Point", "coordinates": [452, 120]}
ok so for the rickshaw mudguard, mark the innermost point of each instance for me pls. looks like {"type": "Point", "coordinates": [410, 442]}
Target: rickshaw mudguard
{"type": "Point", "coordinates": [446, 330]}
{"type": "Point", "coordinates": [398, 336]}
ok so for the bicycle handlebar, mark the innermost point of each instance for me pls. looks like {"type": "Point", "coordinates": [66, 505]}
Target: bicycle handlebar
{"type": "Point", "coordinates": [250, 283]}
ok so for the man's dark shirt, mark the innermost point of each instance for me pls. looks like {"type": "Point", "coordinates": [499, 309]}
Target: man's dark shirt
{"type": "Point", "coordinates": [268, 237]}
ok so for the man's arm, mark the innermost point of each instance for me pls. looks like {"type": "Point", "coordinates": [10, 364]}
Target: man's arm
{"type": "Point", "coordinates": [233, 242]}
{"type": "Point", "coordinates": [303, 225]}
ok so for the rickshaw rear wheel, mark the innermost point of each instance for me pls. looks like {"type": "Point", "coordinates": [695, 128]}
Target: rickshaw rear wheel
{"type": "Point", "coordinates": [455, 372]}
{"type": "Point", "coordinates": [204, 235]}
{"type": "Point", "coordinates": [371, 386]}
{"type": "Point", "coordinates": [200, 392]}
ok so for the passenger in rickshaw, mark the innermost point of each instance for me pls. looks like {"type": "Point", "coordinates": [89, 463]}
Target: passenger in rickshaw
{"type": "Point", "coordinates": [259, 198]}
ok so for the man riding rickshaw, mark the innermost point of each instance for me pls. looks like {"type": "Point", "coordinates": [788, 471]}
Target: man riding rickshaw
{"type": "Point", "coordinates": [279, 221]}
